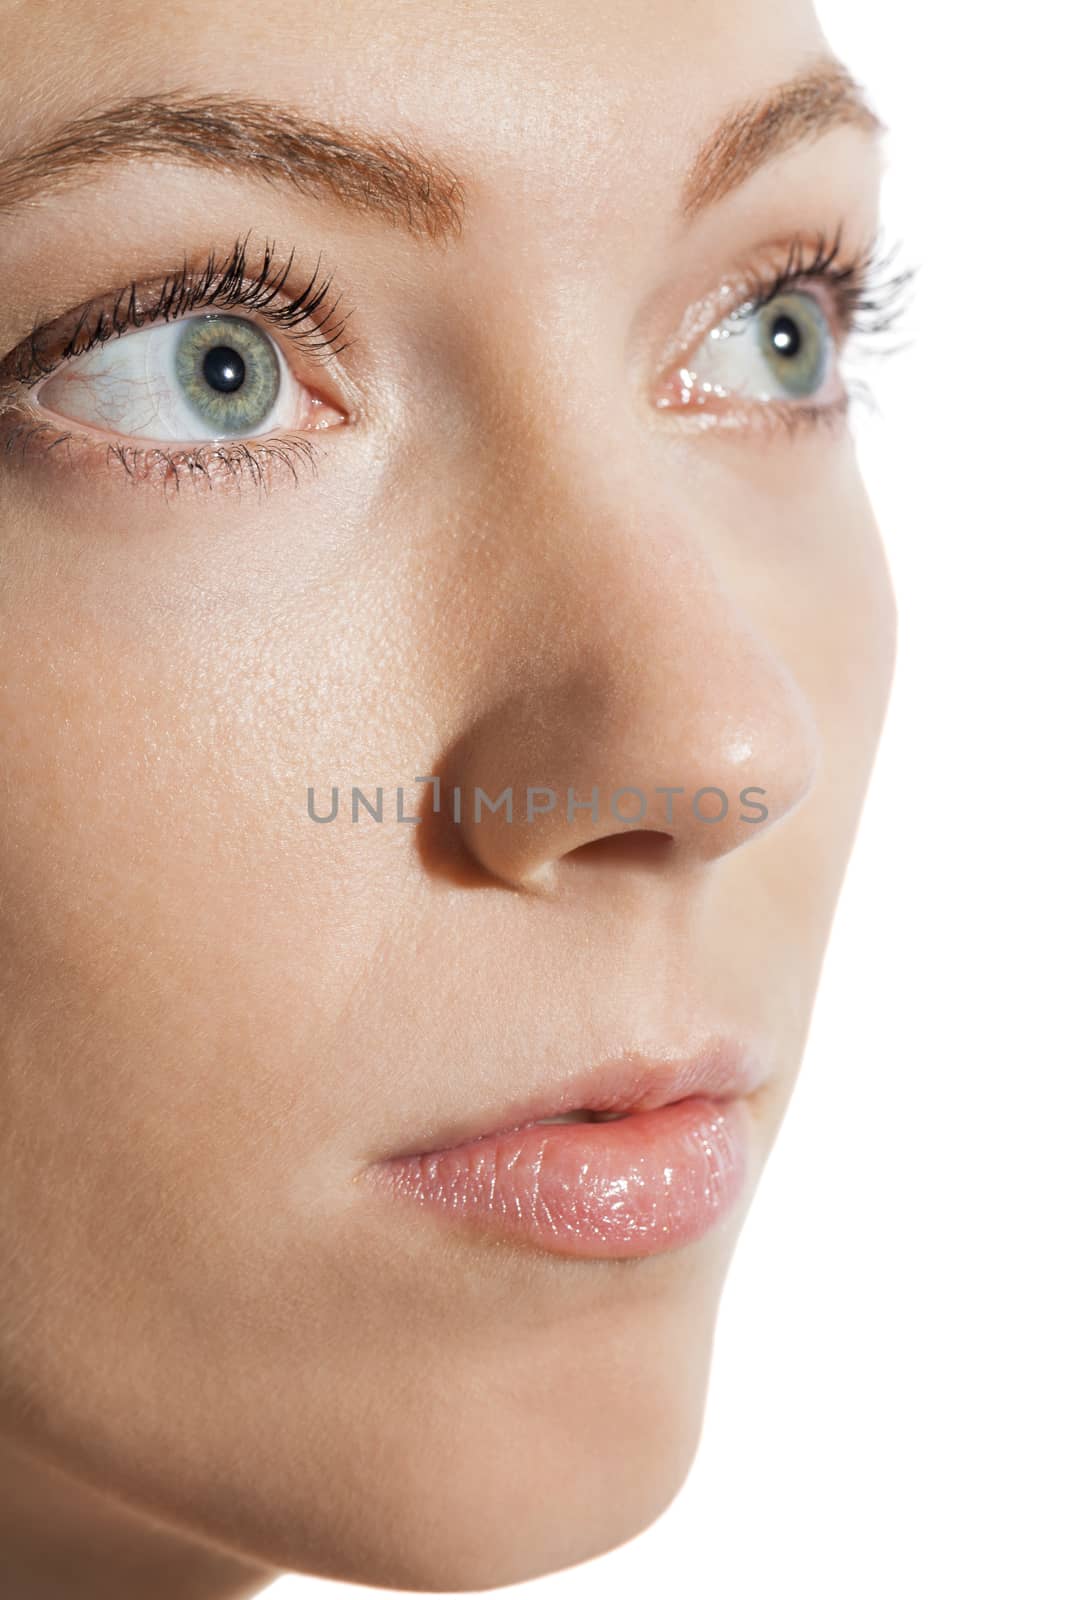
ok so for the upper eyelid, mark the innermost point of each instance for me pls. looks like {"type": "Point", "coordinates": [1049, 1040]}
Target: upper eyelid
{"type": "Point", "coordinates": [855, 279]}
{"type": "Point", "coordinates": [766, 283]}
{"type": "Point", "coordinates": [32, 360]}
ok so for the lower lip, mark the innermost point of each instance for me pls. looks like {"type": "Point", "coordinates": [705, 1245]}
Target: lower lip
{"type": "Point", "coordinates": [636, 1186]}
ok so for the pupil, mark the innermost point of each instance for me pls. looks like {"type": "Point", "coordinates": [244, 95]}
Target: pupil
{"type": "Point", "coordinates": [223, 369]}
{"type": "Point", "coordinates": [785, 336]}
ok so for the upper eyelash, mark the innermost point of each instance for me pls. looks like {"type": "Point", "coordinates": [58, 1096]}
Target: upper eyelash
{"type": "Point", "coordinates": [310, 318]}
{"type": "Point", "coordinates": [869, 297]}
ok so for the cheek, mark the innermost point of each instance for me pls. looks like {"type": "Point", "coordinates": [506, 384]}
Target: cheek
{"type": "Point", "coordinates": [147, 912]}
{"type": "Point", "coordinates": [172, 957]}
{"type": "Point", "coordinates": [806, 559]}
{"type": "Point", "coordinates": [177, 940]}
{"type": "Point", "coordinates": [838, 619]}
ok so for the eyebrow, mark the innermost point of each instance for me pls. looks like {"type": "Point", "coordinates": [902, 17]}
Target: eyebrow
{"type": "Point", "coordinates": [391, 177]}
{"type": "Point", "coordinates": [808, 106]}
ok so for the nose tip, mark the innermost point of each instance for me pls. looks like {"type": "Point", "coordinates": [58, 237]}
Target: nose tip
{"type": "Point", "coordinates": [626, 765]}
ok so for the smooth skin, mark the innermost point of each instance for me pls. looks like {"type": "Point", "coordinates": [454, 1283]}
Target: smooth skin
{"type": "Point", "coordinates": [222, 1356]}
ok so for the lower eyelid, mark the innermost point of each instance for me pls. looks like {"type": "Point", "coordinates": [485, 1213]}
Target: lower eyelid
{"type": "Point", "coordinates": [753, 419]}
{"type": "Point", "coordinates": [263, 462]}
{"type": "Point", "coordinates": [268, 461]}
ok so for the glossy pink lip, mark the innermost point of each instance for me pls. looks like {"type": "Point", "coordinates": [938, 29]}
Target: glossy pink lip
{"type": "Point", "coordinates": [659, 1175]}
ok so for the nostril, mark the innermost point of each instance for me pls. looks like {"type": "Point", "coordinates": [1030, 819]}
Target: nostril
{"type": "Point", "coordinates": [636, 847]}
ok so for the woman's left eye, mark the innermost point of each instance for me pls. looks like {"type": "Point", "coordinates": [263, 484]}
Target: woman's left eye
{"type": "Point", "coordinates": [206, 377]}
{"type": "Point", "coordinates": [782, 351]}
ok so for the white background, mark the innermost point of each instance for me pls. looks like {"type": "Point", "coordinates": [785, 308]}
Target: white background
{"type": "Point", "coordinates": [886, 1415]}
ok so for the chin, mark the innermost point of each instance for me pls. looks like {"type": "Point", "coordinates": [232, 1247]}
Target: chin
{"type": "Point", "coordinates": [483, 1470]}
{"type": "Point", "coordinates": [517, 1497]}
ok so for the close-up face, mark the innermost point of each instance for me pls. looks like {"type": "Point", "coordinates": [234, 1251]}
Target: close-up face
{"type": "Point", "coordinates": [454, 400]}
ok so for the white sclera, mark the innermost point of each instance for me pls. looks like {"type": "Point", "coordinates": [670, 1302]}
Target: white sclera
{"type": "Point", "coordinates": [129, 386]}
{"type": "Point", "coordinates": [730, 361]}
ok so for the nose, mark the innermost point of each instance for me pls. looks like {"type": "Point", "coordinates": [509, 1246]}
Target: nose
{"type": "Point", "coordinates": [628, 708]}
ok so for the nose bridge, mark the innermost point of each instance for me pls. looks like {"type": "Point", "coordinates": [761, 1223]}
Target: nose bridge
{"type": "Point", "coordinates": [623, 688]}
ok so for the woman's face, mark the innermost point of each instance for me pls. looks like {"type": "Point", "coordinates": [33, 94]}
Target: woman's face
{"type": "Point", "coordinates": [552, 512]}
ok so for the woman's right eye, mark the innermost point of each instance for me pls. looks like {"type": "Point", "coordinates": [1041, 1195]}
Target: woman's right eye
{"type": "Point", "coordinates": [207, 377]}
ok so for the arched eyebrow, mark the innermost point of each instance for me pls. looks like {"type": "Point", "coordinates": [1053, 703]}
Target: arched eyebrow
{"type": "Point", "coordinates": [810, 105]}
{"type": "Point", "coordinates": [392, 177]}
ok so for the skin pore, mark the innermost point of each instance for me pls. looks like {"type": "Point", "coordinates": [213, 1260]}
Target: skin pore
{"type": "Point", "coordinates": [495, 557]}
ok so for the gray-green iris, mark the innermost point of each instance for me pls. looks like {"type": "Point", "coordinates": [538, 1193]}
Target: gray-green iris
{"type": "Point", "coordinates": [228, 373]}
{"type": "Point", "coordinates": [796, 342]}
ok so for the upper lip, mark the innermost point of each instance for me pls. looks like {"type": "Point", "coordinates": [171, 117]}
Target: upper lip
{"type": "Point", "coordinates": [724, 1067]}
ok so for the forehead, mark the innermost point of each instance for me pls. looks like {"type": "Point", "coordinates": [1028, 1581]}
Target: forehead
{"type": "Point", "coordinates": [572, 86]}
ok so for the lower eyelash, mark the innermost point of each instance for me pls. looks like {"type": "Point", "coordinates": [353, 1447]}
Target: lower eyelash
{"type": "Point", "coordinates": [233, 463]}
{"type": "Point", "coordinates": [229, 464]}
{"type": "Point", "coordinates": [754, 417]}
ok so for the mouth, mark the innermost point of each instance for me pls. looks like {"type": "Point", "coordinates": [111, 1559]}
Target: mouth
{"type": "Point", "coordinates": [639, 1157]}
{"type": "Point", "coordinates": [579, 1116]}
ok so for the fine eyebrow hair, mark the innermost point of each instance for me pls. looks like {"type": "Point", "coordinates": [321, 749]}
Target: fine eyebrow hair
{"type": "Point", "coordinates": [389, 177]}
{"type": "Point", "coordinates": [392, 177]}
{"type": "Point", "coordinates": [808, 106]}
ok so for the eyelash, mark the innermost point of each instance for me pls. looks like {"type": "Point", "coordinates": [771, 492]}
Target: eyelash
{"type": "Point", "coordinates": [309, 319]}
{"type": "Point", "coordinates": [867, 297]}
